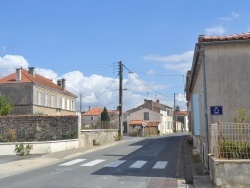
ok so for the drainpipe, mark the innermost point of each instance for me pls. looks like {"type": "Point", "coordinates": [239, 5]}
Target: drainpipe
{"type": "Point", "coordinates": [204, 108]}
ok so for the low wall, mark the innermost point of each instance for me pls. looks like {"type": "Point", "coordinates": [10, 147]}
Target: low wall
{"type": "Point", "coordinates": [230, 173]}
{"type": "Point", "coordinates": [102, 136]}
{"type": "Point", "coordinates": [44, 147]}
{"type": "Point", "coordinates": [29, 128]}
{"type": "Point", "coordinates": [86, 138]}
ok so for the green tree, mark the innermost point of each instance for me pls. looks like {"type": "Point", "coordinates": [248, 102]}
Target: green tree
{"type": "Point", "coordinates": [6, 106]}
{"type": "Point", "coordinates": [105, 117]}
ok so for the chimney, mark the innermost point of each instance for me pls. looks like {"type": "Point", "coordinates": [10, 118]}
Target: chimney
{"type": "Point", "coordinates": [18, 75]}
{"type": "Point", "coordinates": [32, 71]}
{"type": "Point", "coordinates": [89, 108]}
{"type": "Point", "coordinates": [63, 84]}
{"type": "Point", "coordinates": [157, 100]}
{"type": "Point", "coordinates": [59, 83]}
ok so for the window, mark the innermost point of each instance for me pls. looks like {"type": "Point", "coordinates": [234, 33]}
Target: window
{"type": "Point", "coordinates": [92, 118]}
{"type": "Point", "coordinates": [68, 104]}
{"type": "Point", "coordinates": [39, 99]}
{"type": "Point", "coordinates": [63, 103]}
{"type": "Point", "coordinates": [72, 105]}
{"type": "Point", "coordinates": [45, 99]}
{"type": "Point", "coordinates": [52, 101]}
{"type": "Point", "coordinates": [146, 115]}
{"type": "Point", "coordinates": [58, 102]}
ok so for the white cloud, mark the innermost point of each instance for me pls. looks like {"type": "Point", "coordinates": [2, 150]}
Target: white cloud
{"type": "Point", "coordinates": [97, 90]}
{"type": "Point", "coordinates": [47, 73]}
{"type": "Point", "coordinates": [235, 14]}
{"type": "Point", "coordinates": [228, 18]}
{"type": "Point", "coordinates": [218, 30]}
{"type": "Point", "coordinates": [9, 64]}
{"type": "Point", "coordinates": [177, 62]}
{"type": "Point", "coordinates": [151, 72]}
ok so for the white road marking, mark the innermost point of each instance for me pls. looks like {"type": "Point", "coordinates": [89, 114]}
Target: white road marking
{"type": "Point", "coordinates": [160, 165]}
{"type": "Point", "coordinates": [138, 164]}
{"type": "Point", "coordinates": [72, 162]}
{"type": "Point", "coordinates": [92, 163]}
{"type": "Point", "coordinates": [115, 163]}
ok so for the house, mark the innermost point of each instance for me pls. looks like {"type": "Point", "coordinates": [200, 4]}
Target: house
{"type": "Point", "coordinates": [153, 114]}
{"type": "Point", "coordinates": [32, 93]}
{"type": "Point", "coordinates": [217, 84]}
{"type": "Point", "coordinates": [182, 119]}
{"type": "Point", "coordinates": [92, 118]}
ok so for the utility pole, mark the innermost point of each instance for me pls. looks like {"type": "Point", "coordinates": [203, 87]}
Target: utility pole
{"type": "Point", "coordinates": [174, 115]}
{"type": "Point", "coordinates": [81, 103]}
{"type": "Point", "coordinates": [120, 101]}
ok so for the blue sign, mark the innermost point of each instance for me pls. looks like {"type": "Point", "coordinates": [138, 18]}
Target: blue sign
{"type": "Point", "coordinates": [216, 110]}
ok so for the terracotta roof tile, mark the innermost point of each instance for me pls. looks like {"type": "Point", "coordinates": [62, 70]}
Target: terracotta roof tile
{"type": "Point", "coordinates": [98, 111]}
{"type": "Point", "coordinates": [93, 112]}
{"type": "Point", "coordinates": [243, 36]}
{"type": "Point", "coordinates": [181, 113]}
{"type": "Point", "coordinates": [27, 78]}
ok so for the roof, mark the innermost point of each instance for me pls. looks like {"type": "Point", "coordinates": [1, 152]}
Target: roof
{"type": "Point", "coordinates": [139, 122]}
{"type": "Point", "coordinates": [243, 36]}
{"type": "Point", "coordinates": [28, 78]}
{"type": "Point", "coordinates": [181, 113]}
{"type": "Point", "coordinates": [98, 111]}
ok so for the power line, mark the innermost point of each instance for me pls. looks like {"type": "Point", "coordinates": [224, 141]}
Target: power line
{"type": "Point", "coordinates": [107, 87]}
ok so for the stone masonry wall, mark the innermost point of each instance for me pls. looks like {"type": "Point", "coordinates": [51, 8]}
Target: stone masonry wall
{"type": "Point", "coordinates": [102, 136]}
{"type": "Point", "coordinates": [37, 128]}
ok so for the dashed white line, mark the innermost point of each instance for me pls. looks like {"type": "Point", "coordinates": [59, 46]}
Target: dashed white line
{"type": "Point", "coordinates": [160, 165]}
{"type": "Point", "coordinates": [72, 162]}
{"type": "Point", "coordinates": [138, 164]}
{"type": "Point", "coordinates": [115, 163]}
{"type": "Point", "coordinates": [92, 163]}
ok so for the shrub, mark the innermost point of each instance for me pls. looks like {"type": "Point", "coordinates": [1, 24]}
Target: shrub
{"type": "Point", "coordinates": [235, 150]}
{"type": "Point", "coordinates": [22, 150]}
{"type": "Point", "coordinates": [189, 140]}
{"type": "Point", "coordinates": [96, 143]}
{"type": "Point", "coordinates": [6, 106]}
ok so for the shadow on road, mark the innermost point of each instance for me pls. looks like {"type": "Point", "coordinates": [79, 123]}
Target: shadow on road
{"type": "Point", "coordinates": [151, 151]}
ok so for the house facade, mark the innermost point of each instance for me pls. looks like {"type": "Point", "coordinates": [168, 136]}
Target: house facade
{"type": "Point", "coordinates": [217, 84]}
{"type": "Point", "coordinates": [32, 93]}
{"type": "Point", "coordinates": [182, 119]}
{"type": "Point", "coordinates": [152, 113]}
{"type": "Point", "coordinates": [92, 118]}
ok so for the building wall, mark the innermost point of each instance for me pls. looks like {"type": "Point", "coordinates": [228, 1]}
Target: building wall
{"type": "Point", "coordinates": [227, 79]}
{"type": "Point", "coordinates": [20, 95]}
{"type": "Point", "coordinates": [53, 106]}
{"type": "Point", "coordinates": [88, 121]}
{"type": "Point", "coordinates": [197, 89]}
{"type": "Point", "coordinates": [38, 128]}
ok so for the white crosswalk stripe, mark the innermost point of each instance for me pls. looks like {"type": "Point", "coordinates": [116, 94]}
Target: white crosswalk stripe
{"type": "Point", "coordinates": [92, 163]}
{"type": "Point", "coordinates": [160, 165]}
{"type": "Point", "coordinates": [72, 162]}
{"type": "Point", "coordinates": [115, 163]}
{"type": "Point", "coordinates": [138, 164]}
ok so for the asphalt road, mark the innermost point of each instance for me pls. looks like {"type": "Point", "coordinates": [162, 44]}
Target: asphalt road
{"type": "Point", "coordinates": [134, 164]}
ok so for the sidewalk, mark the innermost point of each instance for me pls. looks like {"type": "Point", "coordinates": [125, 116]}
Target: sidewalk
{"type": "Point", "coordinates": [189, 170]}
{"type": "Point", "coordinates": [12, 164]}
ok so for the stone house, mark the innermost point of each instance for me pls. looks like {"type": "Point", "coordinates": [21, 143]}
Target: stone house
{"type": "Point", "coordinates": [32, 93]}
{"type": "Point", "coordinates": [153, 113]}
{"type": "Point", "coordinates": [217, 84]}
{"type": "Point", "coordinates": [92, 117]}
{"type": "Point", "coordinates": [182, 118]}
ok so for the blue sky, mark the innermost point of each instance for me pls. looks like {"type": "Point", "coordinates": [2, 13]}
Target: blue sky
{"type": "Point", "coordinates": [82, 41]}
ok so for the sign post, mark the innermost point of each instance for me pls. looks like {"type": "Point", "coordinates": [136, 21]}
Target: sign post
{"type": "Point", "coordinates": [144, 124]}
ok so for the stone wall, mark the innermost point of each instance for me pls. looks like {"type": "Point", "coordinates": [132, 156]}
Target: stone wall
{"type": "Point", "coordinates": [230, 173]}
{"type": "Point", "coordinates": [37, 128]}
{"type": "Point", "coordinates": [102, 136]}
